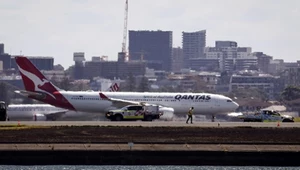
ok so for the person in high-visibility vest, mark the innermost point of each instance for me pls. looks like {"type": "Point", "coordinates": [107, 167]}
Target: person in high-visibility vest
{"type": "Point", "coordinates": [190, 115]}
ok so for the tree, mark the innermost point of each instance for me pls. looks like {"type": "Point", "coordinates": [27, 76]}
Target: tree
{"type": "Point", "coordinates": [144, 85]}
{"type": "Point", "coordinates": [130, 83]}
{"type": "Point", "coordinates": [252, 67]}
{"type": "Point", "coordinates": [224, 78]}
{"type": "Point", "coordinates": [291, 93]}
{"type": "Point", "coordinates": [65, 83]}
{"type": "Point", "coordinates": [70, 71]}
{"type": "Point", "coordinates": [58, 67]}
{"type": "Point", "coordinates": [54, 80]}
{"type": "Point", "coordinates": [200, 85]}
{"type": "Point", "coordinates": [253, 93]}
{"type": "Point", "coordinates": [80, 87]}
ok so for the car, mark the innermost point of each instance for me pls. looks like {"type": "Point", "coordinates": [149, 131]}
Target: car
{"type": "Point", "coordinates": [266, 116]}
{"type": "Point", "coordinates": [135, 112]}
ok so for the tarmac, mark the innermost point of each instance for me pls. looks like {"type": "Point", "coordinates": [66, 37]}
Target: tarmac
{"type": "Point", "coordinates": [151, 147]}
{"type": "Point", "coordinates": [151, 124]}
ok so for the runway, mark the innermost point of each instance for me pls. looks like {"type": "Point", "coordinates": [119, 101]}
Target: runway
{"type": "Point", "coordinates": [150, 124]}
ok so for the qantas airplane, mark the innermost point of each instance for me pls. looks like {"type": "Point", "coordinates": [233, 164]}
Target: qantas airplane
{"type": "Point", "coordinates": [43, 112]}
{"type": "Point", "coordinates": [39, 88]}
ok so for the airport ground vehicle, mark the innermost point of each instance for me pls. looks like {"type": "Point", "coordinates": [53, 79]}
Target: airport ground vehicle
{"type": "Point", "coordinates": [267, 116]}
{"type": "Point", "coordinates": [3, 111]}
{"type": "Point", "coordinates": [135, 112]}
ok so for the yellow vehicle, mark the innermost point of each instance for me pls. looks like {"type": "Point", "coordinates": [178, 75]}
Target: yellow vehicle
{"type": "Point", "coordinates": [134, 112]}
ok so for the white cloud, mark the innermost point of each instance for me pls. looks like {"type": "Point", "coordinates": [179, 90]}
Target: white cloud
{"type": "Point", "coordinates": [59, 28]}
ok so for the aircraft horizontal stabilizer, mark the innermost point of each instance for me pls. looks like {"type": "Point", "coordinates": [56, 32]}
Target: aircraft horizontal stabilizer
{"type": "Point", "coordinates": [28, 93]}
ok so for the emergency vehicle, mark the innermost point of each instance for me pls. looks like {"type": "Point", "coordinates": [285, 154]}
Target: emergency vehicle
{"type": "Point", "coordinates": [266, 116]}
{"type": "Point", "coordinates": [135, 112]}
{"type": "Point", "coordinates": [3, 111]}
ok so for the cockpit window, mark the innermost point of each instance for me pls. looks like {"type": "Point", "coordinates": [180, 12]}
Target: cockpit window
{"type": "Point", "coordinates": [229, 100]}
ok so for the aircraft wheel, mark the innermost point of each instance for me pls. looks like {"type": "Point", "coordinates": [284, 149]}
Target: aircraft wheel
{"type": "Point", "coordinates": [287, 120]}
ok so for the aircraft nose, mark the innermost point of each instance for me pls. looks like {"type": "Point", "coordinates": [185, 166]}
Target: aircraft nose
{"type": "Point", "coordinates": [235, 105]}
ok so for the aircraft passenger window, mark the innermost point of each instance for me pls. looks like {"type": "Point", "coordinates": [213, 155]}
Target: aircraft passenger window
{"type": "Point", "coordinates": [229, 100]}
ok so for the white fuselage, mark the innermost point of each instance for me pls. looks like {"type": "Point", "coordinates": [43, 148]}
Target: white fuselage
{"type": "Point", "coordinates": [27, 112]}
{"type": "Point", "coordinates": [180, 102]}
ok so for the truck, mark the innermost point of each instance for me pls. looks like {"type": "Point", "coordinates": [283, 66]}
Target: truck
{"type": "Point", "coordinates": [266, 116]}
{"type": "Point", "coordinates": [135, 112]}
{"type": "Point", "coordinates": [3, 111]}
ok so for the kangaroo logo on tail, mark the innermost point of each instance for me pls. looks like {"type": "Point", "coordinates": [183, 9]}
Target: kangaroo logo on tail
{"type": "Point", "coordinates": [31, 74]}
{"type": "Point", "coordinates": [34, 81]}
{"type": "Point", "coordinates": [38, 83]}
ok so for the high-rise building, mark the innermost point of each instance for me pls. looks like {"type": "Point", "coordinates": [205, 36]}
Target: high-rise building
{"type": "Point", "coordinates": [78, 57]}
{"type": "Point", "coordinates": [113, 69]}
{"type": "Point", "coordinates": [151, 46]}
{"type": "Point", "coordinates": [220, 44]}
{"type": "Point", "coordinates": [263, 61]}
{"type": "Point", "coordinates": [177, 59]}
{"type": "Point", "coordinates": [230, 56]}
{"type": "Point", "coordinates": [1, 48]}
{"type": "Point", "coordinates": [6, 61]}
{"type": "Point", "coordinates": [5, 58]}
{"type": "Point", "coordinates": [193, 44]}
{"type": "Point", "coordinates": [41, 62]}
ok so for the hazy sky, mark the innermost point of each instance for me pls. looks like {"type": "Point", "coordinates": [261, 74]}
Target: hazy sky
{"type": "Point", "coordinates": [60, 27]}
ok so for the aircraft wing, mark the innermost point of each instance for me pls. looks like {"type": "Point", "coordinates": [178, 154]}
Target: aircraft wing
{"type": "Point", "coordinates": [120, 102]}
{"type": "Point", "coordinates": [54, 115]}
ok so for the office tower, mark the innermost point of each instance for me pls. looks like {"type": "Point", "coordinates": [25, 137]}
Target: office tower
{"type": "Point", "coordinates": [154, 47]}
{"type": "Point", "coordinates": [193, 44]}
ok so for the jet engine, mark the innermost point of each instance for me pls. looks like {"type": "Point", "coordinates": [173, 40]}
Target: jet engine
{"type": "Point", "coordinates": [39, 117]}
{"type": "Point", "coordinates": [168, 113]}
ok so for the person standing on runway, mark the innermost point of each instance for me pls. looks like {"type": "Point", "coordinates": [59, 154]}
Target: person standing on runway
{"type": "Point", "coordinates": [190, 115]}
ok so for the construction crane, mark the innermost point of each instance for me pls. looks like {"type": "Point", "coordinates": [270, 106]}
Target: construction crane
{"type": "Point", "coordinates": [125, 28]}
{"type": "Point", "coordinates": [122, 55]}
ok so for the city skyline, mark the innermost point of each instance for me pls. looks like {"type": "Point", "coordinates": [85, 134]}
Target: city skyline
{"type": "Point", "coordinates": [59, 28]}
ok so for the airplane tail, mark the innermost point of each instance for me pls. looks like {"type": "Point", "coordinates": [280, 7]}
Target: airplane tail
{"type": "Point", "coordinates": [33, 79]}
{"type": "Point", "coordinates": [38, 87]}
{"type": "Point", "coordinates": [114, 87]}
